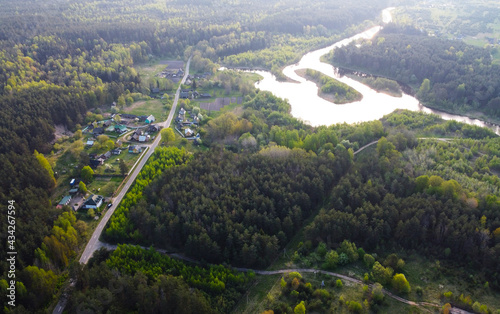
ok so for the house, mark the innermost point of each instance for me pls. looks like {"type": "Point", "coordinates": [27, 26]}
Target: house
{"type": "Point", "coordinates": [142, 118]}
{"type": "Point", "coordinates": [98, 131]}
{"type": "Point", "coordinates": [153, 128]}
{"type": "Point", "coordinates": [73, 191]}
{"type": "Point", "coordinates": [182, 112]}
{"type": "Point", "coordinates": [205, 95]}
{"type": "Point", "coordinates": [179, 119]}
{"type": "Point", "coordinates": [64, 201]}
{"type": "Point", "coordinates": [94, 202]}
{"type": "Point", "coordinates": [188, 132]}
{"type": "Point", "coordinates": [106, 155]}
{"type": "Point", "coordinates": [135, 149]}
{"type": "Point", "coordinates": [155, 90]}
{"type": "Point", "coordinates": [94, 163]}
{"type": "Point", "coordinates": [106, 123]}
{"type": "Point", "coordinates": [120, 128]}
{"type": "Point", "coordinates": [90, 143]}
{"type": "Point", "coordinates": [150, 119]}
{"type": "Point", "coordinates": [184, 94]}
{"type": "Point", "coordinates": [116, 151]}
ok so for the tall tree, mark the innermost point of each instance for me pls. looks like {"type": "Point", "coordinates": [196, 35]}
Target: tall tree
{"type": "Point", "coordinates": [167, 135]}
{"type": "Point", "coordinates": [123, 167]}
{"type": "Point", "coordinates": [87, 174]}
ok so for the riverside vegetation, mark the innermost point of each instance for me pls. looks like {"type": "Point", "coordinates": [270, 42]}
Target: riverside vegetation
{"type": "Point", "coordinates": [331, 89]}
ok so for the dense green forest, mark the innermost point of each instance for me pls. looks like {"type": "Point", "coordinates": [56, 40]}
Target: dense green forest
{"type": "Point", "coordinates": [135, 279]}
{"type": "Point", "coordinates": [233, 208]}
{"type": "Point", "coordinates": [260, 175]}
{"type": "Point", "coordinates": [437, 197]}
{"type": "Point", "coordinates": [260, 33]}
{"type": "Point", "coordinates": [59, 59]}
{"type": "Point", "coordinates": [230, 207]}
{"type": "Point", "coordinates": [449, 75]}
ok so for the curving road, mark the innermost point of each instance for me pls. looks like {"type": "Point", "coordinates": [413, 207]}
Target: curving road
{"type": "Point", "coordinates": [442, 139]}
{"type": "Point", "coordinates": [94, 243]}
{"type": "Point", "coordinates": [306, 270]}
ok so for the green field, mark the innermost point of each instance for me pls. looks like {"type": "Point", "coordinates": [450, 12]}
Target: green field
{"type": "Point", "coordinates": [472, 22]}
{"type": "Point", "coordinates": [147, 107]}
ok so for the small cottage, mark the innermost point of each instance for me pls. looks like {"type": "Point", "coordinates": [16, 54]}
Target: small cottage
{"type": "Point", "coordinates": [150, 119]}
{"type": "Point", "coordinates": [64, 201]}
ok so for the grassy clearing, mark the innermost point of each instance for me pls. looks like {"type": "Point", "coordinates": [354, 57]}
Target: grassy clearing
{"type": "Point", "coordinates": [147, 107]}
{"type": "Point", "coordinates": [266, 290]}
{"type": "Point", "coordinates": [257, 294]}
{"type": "Point", "coordinates": [474, 41]}
{"type": "Point", "coordinates": [104, 186]}
{"type": "Point", "coordinates": [435, 278]}
{"type": "Point", "coordinates": [150, 69]}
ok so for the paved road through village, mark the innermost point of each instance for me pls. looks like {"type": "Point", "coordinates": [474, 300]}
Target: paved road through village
{"type": "Point", "coordinates": [94, 243]}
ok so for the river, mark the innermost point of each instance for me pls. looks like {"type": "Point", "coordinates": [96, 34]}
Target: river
{"type": "Point", "coordinates": [310, 108]}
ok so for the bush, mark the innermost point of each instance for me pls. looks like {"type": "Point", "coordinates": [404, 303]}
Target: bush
{"type": "Point", "coordinates": [321, 249]}
{"type": "Point", "coordinates": [448, 294]}
{"type": "Point", "coordinates": [300, 308]}
{"type": "Point", "coordinates": [400, 283]}
{"type": "Point", "coordinates": [419, 291]}
{"type": "Point", "coordinates": [369, 260]}
{"type": "Point", "coordinates": [377, 293]}
{"type": "Point", "coordinates": [321, 294]}
{"type": "Point", "coordinates": [354, 307]}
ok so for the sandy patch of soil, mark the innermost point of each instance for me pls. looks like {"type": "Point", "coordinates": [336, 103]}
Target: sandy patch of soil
{"type": "Point", "coordinates": [61, 130]}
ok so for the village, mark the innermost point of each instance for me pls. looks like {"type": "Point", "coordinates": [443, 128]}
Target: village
{"type": "Point", "coordinates": [116, 137]}
{"type": "Point", "coordinates": [110, 142]}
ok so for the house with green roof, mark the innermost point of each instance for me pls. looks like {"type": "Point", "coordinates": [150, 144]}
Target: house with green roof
{"type": "Point", "coordinates": [64, 201]}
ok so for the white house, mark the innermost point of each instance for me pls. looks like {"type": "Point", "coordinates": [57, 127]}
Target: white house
{"type": "Point", "coordinates": [94, 201]}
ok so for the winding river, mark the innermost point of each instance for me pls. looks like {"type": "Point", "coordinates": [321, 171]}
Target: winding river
{"type": "Point", "coordinates": [309, 107]}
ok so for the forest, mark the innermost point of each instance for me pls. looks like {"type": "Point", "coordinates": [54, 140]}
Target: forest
{"type": "Point", "coordinates": [146, 281]}
{"type": "Point", "coordinates": [261, 175]}
{"type": "Point", "coordinates": [448, 191]}
{"type": "Point", "coordinates": [59, 59]}
{"type": "Point", "coordinates": [448, 75]}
